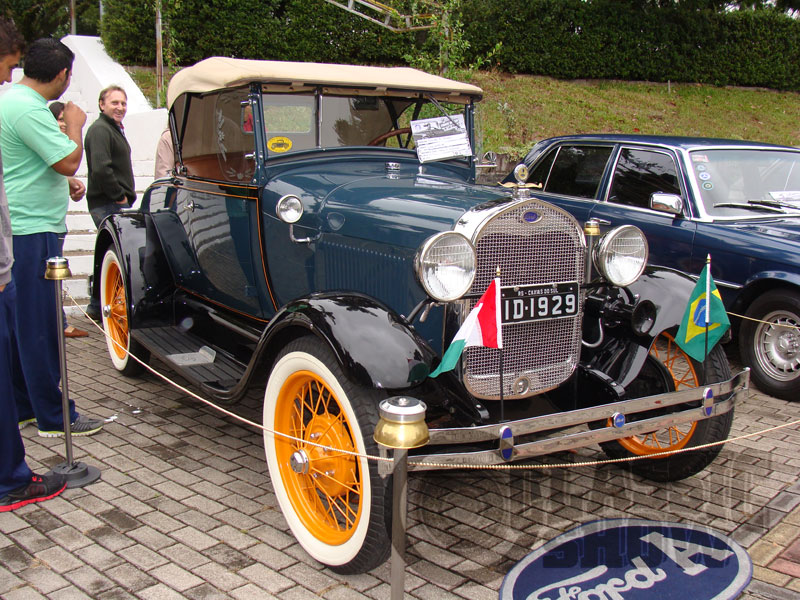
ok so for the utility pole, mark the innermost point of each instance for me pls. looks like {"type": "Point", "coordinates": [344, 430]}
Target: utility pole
{"type": "Point", "coordinates": [159, 56]}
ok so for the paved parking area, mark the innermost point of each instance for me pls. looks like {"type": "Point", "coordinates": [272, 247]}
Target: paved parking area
{"type": "Point", "coordinates": [185, 508]}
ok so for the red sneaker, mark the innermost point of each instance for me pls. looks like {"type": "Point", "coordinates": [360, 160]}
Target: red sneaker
{"type": "Point", "coordinates": [41, 487]}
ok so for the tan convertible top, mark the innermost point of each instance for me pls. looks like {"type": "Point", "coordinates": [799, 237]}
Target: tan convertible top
{"type": "Point", "coordinates": [219, 72]}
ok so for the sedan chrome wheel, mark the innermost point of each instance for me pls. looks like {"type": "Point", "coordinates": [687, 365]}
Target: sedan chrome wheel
{"type": "Point", "coordinates": [769, 342]}
{"type": "Point", "coordinates": [777, 345]}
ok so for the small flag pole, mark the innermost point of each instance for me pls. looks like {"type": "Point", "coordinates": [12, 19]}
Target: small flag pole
{"type": "Point", "coordinates": [708, 311]}
{"type": "Point", "coordinates": [500, 334]}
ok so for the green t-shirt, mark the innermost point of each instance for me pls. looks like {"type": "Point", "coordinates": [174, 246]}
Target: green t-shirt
{"type": "Point", "coordinates": [31, 143]}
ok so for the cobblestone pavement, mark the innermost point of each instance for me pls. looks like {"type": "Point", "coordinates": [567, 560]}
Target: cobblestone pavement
{"type": "Point", "coordinates": [185, 508]}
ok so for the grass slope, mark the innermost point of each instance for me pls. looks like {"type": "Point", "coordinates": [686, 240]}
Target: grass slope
{"type": "Point", "coordinates": [519, 110]}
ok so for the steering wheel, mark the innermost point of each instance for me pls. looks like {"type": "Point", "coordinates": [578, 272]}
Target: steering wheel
{"type": "Point", "coordinates": [391, 133]}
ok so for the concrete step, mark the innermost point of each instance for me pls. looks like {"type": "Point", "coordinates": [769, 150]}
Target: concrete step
{"type": "Point", "coordinates": [80, 222]}
{"type": "Point", "coordinates": [79, 243]}
{"type": "Point", "coordinates": [77, 287]}
{"type": "Point", "coordinates": [80, 265]}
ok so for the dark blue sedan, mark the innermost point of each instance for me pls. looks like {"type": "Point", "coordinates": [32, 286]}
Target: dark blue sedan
{"type": "Point", "coordinates": [738, 201]}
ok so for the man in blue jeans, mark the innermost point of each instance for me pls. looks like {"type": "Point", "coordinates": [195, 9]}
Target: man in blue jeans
{"type": "Point", "coordinates": [18, 484]}
{"type": "Point", "coordinates": [38, 158]}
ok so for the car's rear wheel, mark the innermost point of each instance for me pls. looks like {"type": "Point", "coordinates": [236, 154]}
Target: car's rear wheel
{"type": "Point", "coordinates": [770, 344]}
{"type": "Point", "coordinates": [114, 303]}
{"type": "Point", "coordinates": [335, 503]}
{"type": "Point", "coordinates": [668, 368]}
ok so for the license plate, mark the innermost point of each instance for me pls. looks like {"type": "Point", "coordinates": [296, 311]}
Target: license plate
{"type": "Point", "coordinates": [521, 304]}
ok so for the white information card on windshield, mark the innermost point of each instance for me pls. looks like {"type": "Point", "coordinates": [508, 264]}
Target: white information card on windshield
{"type": "Point", "coordinates": [441, 138]}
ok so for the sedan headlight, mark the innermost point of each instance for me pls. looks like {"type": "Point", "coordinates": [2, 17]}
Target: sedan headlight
{"type": "Point", "coordinates": [446, 266]}
{"type": "Point", "coordinates": [621, 255]}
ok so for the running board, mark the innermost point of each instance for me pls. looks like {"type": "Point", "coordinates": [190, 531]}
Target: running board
{"type": "Point", "coordinates": [192, 357]}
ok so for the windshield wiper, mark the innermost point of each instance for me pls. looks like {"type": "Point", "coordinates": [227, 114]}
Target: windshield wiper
{"type": "Point", "coordinates": [765, 205]}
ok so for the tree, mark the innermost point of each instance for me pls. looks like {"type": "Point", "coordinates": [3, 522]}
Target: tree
{"type": "Point", "coordinates": [45, 18]}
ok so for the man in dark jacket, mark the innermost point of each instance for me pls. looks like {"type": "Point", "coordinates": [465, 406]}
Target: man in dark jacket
{"type": "Point", "coordinates": [110, 186]}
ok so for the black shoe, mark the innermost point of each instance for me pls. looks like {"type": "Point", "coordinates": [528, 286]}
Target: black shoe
{"type": "Point", "coordinates": [41, 487]}
{"type": "Point", "coordinates": [94, 313]}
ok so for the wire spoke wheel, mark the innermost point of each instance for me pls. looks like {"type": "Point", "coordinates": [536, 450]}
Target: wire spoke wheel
{"type": "Point", "coordinates": [114, 300]}
{"type": "Point", "coordinates": [324, 485]}
{"type": "Point", "coordinates": [330, 494]}
{"type": "Point", "coordinates": [667, 369]}
{"type": "Point", "coordinates": [117, 321]}
{"type": "Point", "coordinates": [683, 375]}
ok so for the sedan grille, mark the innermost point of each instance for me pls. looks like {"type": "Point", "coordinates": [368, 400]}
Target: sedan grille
{"type": "Point", "coordinates": [532, 243]}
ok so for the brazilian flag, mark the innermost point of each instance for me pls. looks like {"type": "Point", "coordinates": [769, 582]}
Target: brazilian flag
{"type": "Point", "coordinates": [691, 335]}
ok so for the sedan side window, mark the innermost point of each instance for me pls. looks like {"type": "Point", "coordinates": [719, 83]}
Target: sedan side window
{"type": "Point", "coordinates": [640, 173]}
{"type": "Point", "coordinates": [577, 171]}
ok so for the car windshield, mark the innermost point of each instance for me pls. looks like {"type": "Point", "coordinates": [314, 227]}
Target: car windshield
{"type": "Point", "coordinates": [291, 120]}
{"type": "Point", "coordinates": [747, 182]}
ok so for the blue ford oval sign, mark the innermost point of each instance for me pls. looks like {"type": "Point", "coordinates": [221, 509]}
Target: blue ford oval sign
{"type": "Point", "coordinates": [632, 559]}
{"type": "Point", "coordinates": [531, 216]}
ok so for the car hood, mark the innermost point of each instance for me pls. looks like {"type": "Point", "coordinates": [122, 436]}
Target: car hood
{"type": "Point", "coordinates": [787, 229]}
{"type": "Point", "coordinates": [405, 209]}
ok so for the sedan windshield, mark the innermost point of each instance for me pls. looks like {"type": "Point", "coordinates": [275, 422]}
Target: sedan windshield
{"type": "Point", "coordinates": [741, 182]}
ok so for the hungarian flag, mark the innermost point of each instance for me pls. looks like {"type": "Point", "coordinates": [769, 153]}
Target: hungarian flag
{"type": "Point", "coordinates": [480, 328]}
{"type": "Point", "coordinates": [705, 307]}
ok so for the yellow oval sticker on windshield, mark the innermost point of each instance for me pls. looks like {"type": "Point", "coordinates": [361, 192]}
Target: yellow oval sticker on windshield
{"type": "Point", "coordinates": [279, 144]}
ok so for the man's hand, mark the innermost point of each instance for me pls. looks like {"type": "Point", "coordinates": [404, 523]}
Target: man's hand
{"type": "Point", "coordinates": [2, 287]}
{"type": "Point", "coordinates": [75, 118]}
{"type": "Point", "coordinates": [74, 115]}
{"type": "Point", "coordinates": [76, 189]}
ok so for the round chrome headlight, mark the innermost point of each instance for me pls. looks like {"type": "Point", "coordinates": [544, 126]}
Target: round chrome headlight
{"type": "Point", "coordinates": [289, 209]}
{"type": "Point", "coordinates": [446, 266]}
{"type": "Point", "coordinates": [621, 255]}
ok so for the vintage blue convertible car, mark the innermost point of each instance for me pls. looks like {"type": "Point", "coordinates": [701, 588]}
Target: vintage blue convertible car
{"type": "Point", "coordinates": [738, 201]}
{"type": "Point", "coordinates": [322, 232]}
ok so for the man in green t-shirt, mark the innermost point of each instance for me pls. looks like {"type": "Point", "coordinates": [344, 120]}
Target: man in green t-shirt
{"type": "Point", "coordinates": [19, 485]}
{"type": "Point", "coordinates": [37, 159]}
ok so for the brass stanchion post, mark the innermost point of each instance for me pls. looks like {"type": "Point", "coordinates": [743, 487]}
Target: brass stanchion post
{"type": "Point", "coordinates": [401, 427]}
{"type": "Point", "coordinates": [78, 474]}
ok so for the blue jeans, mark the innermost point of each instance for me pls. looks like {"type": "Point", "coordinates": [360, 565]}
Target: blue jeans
{"type": "Point", "coordinates": [14, 471]}
{"type": "Point", "coordinates": [37, 332]}
{"type": "Point", "coordinates": [98, 213]}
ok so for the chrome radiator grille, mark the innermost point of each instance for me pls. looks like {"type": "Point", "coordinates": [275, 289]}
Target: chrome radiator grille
{"type": "Point", "coordinates": [538, 355]}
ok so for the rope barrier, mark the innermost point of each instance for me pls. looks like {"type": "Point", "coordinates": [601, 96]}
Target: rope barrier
{"type": "Point", "coordinates": [746, 318]}
{"type": "Point", "coordinates": [411, 463]}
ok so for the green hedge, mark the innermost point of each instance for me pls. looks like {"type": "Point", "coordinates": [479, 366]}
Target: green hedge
{"type": "Point", "coordinates": [302, 30]}
{"type": "Point", "coordinates": [128, 31]}
{"type": "Point", "coordinates": [569, 39]}
{"type": "Point", "coordinates": [606, 39]}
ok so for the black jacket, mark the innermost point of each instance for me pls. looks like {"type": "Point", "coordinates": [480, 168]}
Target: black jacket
{"type": "Point", "coordinates": [108, 156]}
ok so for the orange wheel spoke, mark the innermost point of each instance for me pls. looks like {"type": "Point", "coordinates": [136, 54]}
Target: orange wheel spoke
{"type": "Point", "coordinates": [325, 490]}
{"type": "Point", "coordinates": [683, 375]}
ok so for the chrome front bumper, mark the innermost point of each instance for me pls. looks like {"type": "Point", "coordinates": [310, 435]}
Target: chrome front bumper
{"type": "Point", "coordinates": [554, 438]}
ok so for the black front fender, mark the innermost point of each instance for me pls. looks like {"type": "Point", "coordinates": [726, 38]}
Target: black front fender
{"type": "Point", "coordinates": [376, 346]}
{"type": "Point", "coordinates": [624, 349]}
{"type": "Point", "coordinates": [148, 282]}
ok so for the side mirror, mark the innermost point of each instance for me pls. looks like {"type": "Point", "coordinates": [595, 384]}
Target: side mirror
{"type": "Point", "coordinates": [668, 203]}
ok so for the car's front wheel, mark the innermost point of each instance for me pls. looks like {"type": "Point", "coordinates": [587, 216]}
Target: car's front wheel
{"type": "Point", "coordinates": [114, 303]}
{"type": "Point", "coordinates": [769, 342]}
{"type": "Point", "coordinates": [331, 495]}
{"type": "Point", "coordinates": [667, 369]}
